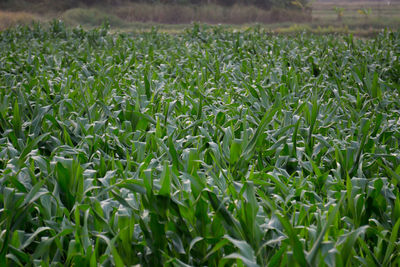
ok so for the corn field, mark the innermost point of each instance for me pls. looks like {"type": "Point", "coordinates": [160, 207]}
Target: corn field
{"type": "Point", "coordinates": [210, 147]}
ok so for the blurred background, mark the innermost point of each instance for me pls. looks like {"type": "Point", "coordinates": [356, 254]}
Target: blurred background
{"type": "Point", "coordinates": [279, 15]}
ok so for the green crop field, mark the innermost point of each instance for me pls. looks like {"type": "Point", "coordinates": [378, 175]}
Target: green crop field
{"type": "Point", "coordinates": [210, 147]}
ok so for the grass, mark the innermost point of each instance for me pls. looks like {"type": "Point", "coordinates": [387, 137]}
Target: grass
{"type": "Point", "coordinates": [237, 14]}
{"type": "Point", "coordinates": [209, 147]}
{"type": "Point", "coordinates": [11, 19]}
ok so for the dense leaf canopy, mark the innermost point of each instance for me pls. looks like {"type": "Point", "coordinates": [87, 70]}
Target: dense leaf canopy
{"type": "Point", "coordinates": [204, 148]}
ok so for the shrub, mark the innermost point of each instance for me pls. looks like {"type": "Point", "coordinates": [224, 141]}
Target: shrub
{"type": "Point", "coordinates": [90, 17]}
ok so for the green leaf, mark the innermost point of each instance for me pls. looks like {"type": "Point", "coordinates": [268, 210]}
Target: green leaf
{"type": "Point", "coordinates": [249, 149]}
{"type": "Point", "coordinates": [394, 236]}
{"type": "Point", "coordinates": [312, 255]}
{"type": "Point", "coordinates": [165, 181]}
{"type": "Point", "coordinates": [235, 151]}
{"type": "Point", "coordinates": [298, 251]}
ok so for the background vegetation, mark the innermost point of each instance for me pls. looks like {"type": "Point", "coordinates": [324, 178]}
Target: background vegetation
{"type": "Point", "coordinates": [73, 3]}
{"type": "Point", "coordinates": [362, 18]}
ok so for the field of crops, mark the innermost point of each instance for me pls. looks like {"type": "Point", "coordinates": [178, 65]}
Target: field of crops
{"type": "Point", "coordinates": [205, 148]}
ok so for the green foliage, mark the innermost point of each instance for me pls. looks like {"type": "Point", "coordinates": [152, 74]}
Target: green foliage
{"type": "Point", "coordinates": [365, 12]}
{"type": "Point", "coordinates": [205, 148]}
{"type": "Point", "coordinates": [90, 17]}
{"type": "Point", "coordinates": [339, 12]}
